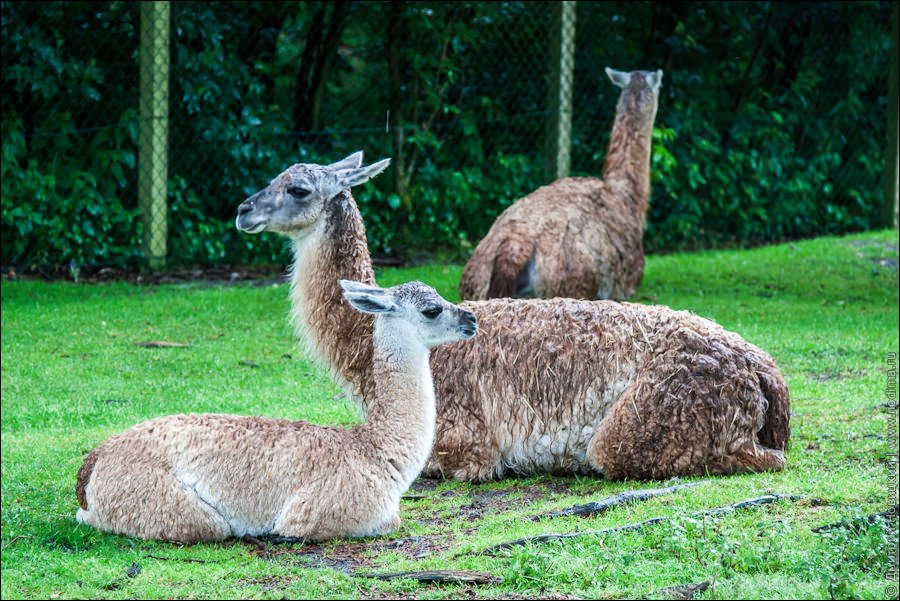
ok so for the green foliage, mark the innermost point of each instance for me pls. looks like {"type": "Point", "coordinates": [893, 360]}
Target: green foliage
{"type": "Point", "coordinates": [64, 183]}
{"type": "Point", "coordinates": [770, 122]}
{"type": "Point", "coordinates": [778, 113]}
{"type": "Point", "coordinates": [70, 213]}
{"type": "Point", "coordinates": [443, 204]}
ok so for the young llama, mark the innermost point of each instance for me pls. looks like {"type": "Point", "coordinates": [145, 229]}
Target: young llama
{"type": "Point", "coordinates": [579, 237]}
{"type": "Point", "coordinates": [191, 478]}
{"type": "Point", "coordinates": [560, 385]}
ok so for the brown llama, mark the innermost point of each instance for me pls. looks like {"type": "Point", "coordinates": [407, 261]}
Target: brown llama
{"type": "Point", "coordinates": [579, 237]}
{"type": "Point", "coordinates": [559, 385]}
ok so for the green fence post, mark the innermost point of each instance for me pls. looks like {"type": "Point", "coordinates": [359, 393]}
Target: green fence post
{"type": "Point", "coordinates": [562, 65]}
{"type": "Point", "coordinates": [153, 159]}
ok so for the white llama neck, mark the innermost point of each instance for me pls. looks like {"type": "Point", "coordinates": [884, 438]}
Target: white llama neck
{"type": "Point", "coordinates": [401, 419]}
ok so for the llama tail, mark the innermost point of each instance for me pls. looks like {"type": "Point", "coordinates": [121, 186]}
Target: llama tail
{"type": "Point", "coordinates": [777, 430]}
{"type": "Point", "coordinates": [513, 272]}
{"type": "Point", "coordinates": [84, 476]}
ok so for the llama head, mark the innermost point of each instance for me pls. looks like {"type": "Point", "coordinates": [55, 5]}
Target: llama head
{"type": "Point", "coordinates": [639, 97]}
{"type": "Point", "coordinates": [296, 199]}
{"type": "Point", "coordinates": [637, 79]}
{"type": "Point", "coordinates": [433, 320]}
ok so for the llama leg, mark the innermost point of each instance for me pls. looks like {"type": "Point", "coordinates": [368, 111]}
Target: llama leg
{"type": "Point", "coordinates": [750, 458]}
{"type": "Point", "coordinates": [145, 500]}
{"type": "Point", "coordinates": [684, 416]}
{"type": "Point", "coordinates": [456, 455]}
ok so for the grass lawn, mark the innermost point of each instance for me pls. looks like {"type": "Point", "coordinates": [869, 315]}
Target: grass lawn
{"type": "Point", "coordinates": [826, 309]}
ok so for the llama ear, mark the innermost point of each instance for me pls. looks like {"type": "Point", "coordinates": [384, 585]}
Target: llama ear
{"type": "Point", "coordinates": [371, 303]}
{"type": "Point", "coordinates": [354, 286]}
{"type": "Point", "coordinates": [352, 161]}
{"type": "Point", "coordinates": [654, 79]}
{"type": "Point", "coordinates": [353, 177]}
{"type": "Point", "coordinates": [619, 78]}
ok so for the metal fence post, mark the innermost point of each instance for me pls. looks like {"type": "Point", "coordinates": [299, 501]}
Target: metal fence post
{"type": "Point", "coordinates": [154, 130]}
{"type": "Point", "coordinates": [559, 124]}
{"type": "Point", "coordinates": [892, 147]}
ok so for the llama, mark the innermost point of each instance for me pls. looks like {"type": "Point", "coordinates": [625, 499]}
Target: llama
{"type": "Point", "coordinates": [549, 385]}
{"type": "Point", "coordinates": [579, 237]}
{"type": "Point", "coordinates": [192, 478]}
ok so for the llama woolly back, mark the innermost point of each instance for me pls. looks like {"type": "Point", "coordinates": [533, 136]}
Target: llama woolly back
{"type": "Point", "coordinates": [191, 478]}
{"type": "Point", "coordinates": [579, 237]}
{"type": "Point", "coordinates": [559, 385]}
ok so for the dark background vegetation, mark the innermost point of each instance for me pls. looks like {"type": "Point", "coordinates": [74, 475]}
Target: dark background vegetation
{"type": "Point", "coordinates": [771, 121]}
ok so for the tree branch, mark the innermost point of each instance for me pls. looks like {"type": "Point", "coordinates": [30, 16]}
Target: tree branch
{"type": "Point", "coordinates": [764, 500]}
{"type": "Point", "coordinates": [622, 498]}
{"type": "Point", "coordinates": [464, 576]}
{"type": "Point", "coordinates": [888, 515]}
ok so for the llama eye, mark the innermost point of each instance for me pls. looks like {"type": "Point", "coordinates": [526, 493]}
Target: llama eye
{"type": "Point", "coordinates": [298, 192]}
{"type": "Point", "coordinates": [432, 312]}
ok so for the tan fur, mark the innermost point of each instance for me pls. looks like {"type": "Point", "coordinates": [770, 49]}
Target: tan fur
{"type": "Point", "coordinates": [562, 385]}
{"type": "Point", "coordinates": [190, 478]}
{"type": "Point", "coordinates": [583, 235]}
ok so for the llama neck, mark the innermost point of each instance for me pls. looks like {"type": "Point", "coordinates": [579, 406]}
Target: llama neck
{"type": "Point", "coordinates": [628, 155]}
{"type": "Point", "coordinates": [332, 330]}
{"type": "Point", "coordinates": [401, 417]}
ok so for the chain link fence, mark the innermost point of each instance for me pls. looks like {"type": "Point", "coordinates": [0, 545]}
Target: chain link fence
{"type": "Point", "coordinates": [131, 131]}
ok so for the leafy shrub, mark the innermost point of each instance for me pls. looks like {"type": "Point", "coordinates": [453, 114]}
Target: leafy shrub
{"type": "Point", "coordinates": [767, 129]}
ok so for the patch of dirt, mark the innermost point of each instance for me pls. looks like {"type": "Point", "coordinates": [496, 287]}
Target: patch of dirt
{"type": "Point", "coordinates": [502, 500]}
{"type": "Point", "coordinates": [865, 250]}
{"type": "Point", "coordinates": [548, 596]}
{"type": "Point", "coordinates": [889, 262]}
{"type": "Point", "coordinates": [346, 557]}
{"type": "Point", "coordinates": [886, 246]}
{"type": "Point", "coordinates": [837, 375]}
{"type": "Point", "coordinates": [374, 593]}
{"type": "Point", "coordinates": [213, 275]}
{"type": "Point", "coordinates": [267, 584]}
{"type": "Point", "coordinates": [422, 485]}
{"type": "Point", "coordinates": [464, 593]}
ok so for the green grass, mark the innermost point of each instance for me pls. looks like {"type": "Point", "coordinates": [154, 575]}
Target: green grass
{"type": "Point", "coordinates": [72, 375]}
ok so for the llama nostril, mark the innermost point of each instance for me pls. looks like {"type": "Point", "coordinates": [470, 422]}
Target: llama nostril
{"type": "Point", "coordinates": [245, 207]}
{"type": "Point", "coordinates": [470, 317]}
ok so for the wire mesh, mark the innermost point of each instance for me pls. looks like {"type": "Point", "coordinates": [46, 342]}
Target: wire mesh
{"type": "Point", "coordinates": [780, 104]}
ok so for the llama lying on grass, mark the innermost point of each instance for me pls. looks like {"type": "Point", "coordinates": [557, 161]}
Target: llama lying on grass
{"type": "Point", "coordinates": [556, 385]}
{"type": "Point", "coordinates": [579, 237]}
{"type": "Point", "coordinates": [190, 478]}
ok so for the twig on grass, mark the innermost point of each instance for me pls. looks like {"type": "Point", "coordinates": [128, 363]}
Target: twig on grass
{"type": "Point", "coordinates": [456, 576]}
{"type": "Point", "coordinates": [716, 511]}
{"type": "Point", "coordinates": [184, 559]}
{"type": "Point", "coordinates": [888, 515]}
{"type": "Point", "coordinates": [685, 591]}
{"type": "Point", "coordinates": [622, 498]}
{"type": "Point", "coordinates": [161, 344]}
